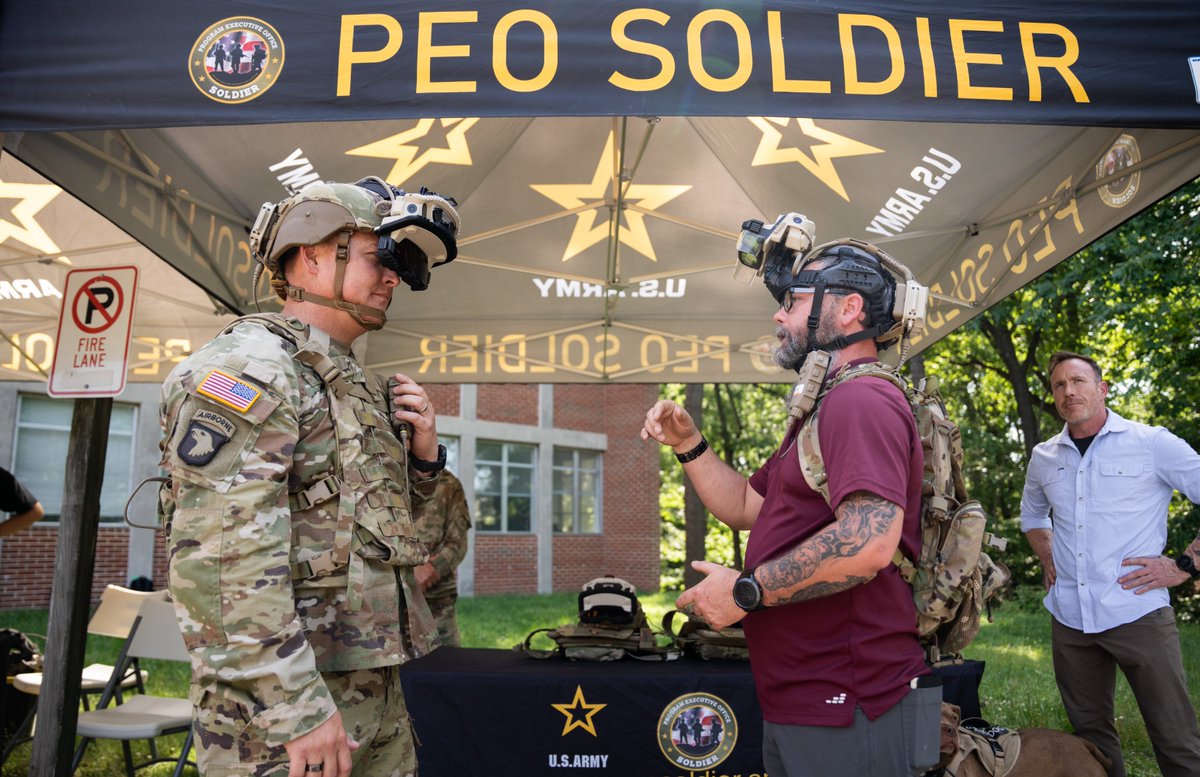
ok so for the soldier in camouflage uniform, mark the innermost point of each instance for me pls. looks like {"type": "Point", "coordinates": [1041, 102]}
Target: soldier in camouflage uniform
{"type": "Point", "coordinates": [292, 480]}
{"type": "Point", "coordinates": [442, 524]}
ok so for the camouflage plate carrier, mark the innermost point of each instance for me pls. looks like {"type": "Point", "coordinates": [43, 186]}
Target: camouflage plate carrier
{"type": "Point", "coordinates": [953, 580]}
{"type": "Point", "coordinates": [611, 626]}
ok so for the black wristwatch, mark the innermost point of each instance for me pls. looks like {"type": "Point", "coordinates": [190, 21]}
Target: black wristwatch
{"type": "Point", "coordinates": [430, 466]}
{"type": "Point", "coordinates": [747, 593]}
{"type": "Point", "coordinates": [1185, 562]}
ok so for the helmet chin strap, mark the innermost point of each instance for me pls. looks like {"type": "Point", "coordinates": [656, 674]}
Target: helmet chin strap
{"type": "Point", "coordinates": [814, 321]}
{"type": "Point", "coordinates": [366, 316]}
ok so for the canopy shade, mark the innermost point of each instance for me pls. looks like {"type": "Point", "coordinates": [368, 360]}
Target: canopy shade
{"type": "Point", "coordinates": [44, 234]}
{"type": "Point", "coordinates": [979, 148]}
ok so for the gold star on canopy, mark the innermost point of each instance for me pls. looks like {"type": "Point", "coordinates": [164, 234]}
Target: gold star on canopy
{"type": "Point", "coordinates": [410, 158]}
{"type": "Point", "coordinates": [33, 197]}
{"type": "Point", "coordinates": [579, 713]}
{"type": "Point", "coordinates": [587, 232]}
{"type": "Point", "coordinates": [820, 164]}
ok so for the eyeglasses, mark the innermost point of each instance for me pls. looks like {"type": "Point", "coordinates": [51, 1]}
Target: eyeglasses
{"type": "Point", "coordinates": [789, 296]}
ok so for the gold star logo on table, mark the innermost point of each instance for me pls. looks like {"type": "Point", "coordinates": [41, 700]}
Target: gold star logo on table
{"type": "Point", "coordinates": [443, 141]}
{"type": "Point", "coordinates": [32, 198]}
{"type": "Point", "coordinates": [772, 150]}
{"type": "Point", "coordinates": [579, 713]}
{"type": "Point", "coordinates": [587, 232]}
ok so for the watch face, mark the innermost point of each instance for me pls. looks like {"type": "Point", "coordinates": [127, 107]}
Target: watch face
{"type": "Point", "coordinates": [746, 593]}
{"type": "Point", "coordinates": [1185, 563]}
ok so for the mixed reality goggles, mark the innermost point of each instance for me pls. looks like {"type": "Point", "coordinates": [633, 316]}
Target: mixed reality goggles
{"type": "Point", "coordinates": [416, 228]}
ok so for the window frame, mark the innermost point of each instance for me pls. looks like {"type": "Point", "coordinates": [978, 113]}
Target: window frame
{"type": "Point", "coordinates": [504, 465]}
{"type": "Point", "coordinates": [54, 494]}
{"type": "Point", "coordinates": [576, 471]}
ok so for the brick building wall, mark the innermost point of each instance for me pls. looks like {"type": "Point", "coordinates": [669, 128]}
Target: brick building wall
{"type": "Point", "coordinates": [502, 563]}
{"type": "Point", "coordinates": [505, 563]}
{"type": "Point", "coordinates": [27, 565]}
{"type": "Point", "coordinates": [628, 543]}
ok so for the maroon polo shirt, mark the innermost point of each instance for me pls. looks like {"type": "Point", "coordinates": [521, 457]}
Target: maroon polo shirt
{"type": "Point", "coordinates": [814, 661]}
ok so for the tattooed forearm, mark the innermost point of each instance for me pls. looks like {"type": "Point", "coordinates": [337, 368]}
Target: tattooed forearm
{"type": "Point", "coordinates": [809, 571]}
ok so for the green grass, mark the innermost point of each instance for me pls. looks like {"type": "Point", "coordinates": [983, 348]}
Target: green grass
{"type": "Point", "coordinates": [1018, 685]}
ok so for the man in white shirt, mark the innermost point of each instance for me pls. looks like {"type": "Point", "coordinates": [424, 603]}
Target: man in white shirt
{"type": "Point", "coordinates": [1095, 511]}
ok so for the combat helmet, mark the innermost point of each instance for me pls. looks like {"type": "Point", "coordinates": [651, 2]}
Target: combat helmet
{"type": "Point", "coordinates": [895, 301]}
{"type": "Point", "coordinates": [414, 229]}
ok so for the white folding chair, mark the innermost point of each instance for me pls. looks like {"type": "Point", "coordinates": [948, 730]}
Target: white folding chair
{"type": "Point", "coordinates": [155, 635]}
{"type": "Point", "coordinates": [114, 617]}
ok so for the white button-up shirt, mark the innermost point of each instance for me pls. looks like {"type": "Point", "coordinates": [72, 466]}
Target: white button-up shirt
{"type": "Point", "coordinates": [1105, 507]}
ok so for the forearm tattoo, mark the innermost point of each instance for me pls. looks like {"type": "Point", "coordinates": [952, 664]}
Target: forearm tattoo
{"type": "Point", "coordinates": [861, 518]}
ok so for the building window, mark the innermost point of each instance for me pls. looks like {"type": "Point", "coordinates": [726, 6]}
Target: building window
{"type": "Point", "coordinates": [504, 486]}
{"type": "Point", "coordinates": [452, 447]}
{"type": "Point", "coordinates": [576, 491]}
{"type": "Point", "coordinates": [40, 453]}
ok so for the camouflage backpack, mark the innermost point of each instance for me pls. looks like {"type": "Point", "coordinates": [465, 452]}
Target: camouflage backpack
{"type": "Point", "coordinates": [696, 637]}
{"type": "Point", "coordinates": [611, 626]}
{"type": "Point", "coordinates": [953, 580]}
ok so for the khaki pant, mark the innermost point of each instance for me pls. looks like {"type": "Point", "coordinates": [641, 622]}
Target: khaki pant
{"type": "Point", "coordinates": [373, 712]}
{"type": "Point", "coordinates": [1147, 650]}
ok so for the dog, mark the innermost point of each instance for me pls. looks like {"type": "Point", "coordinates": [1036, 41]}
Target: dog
{"type": "Point", "coordinates": [1028, 752]}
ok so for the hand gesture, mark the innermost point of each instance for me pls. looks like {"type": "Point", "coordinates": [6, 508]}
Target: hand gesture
{"type": "Point", "coordinates": [670, 424]}
{"type": "Point", "coordinates": [1153, 572]}
{"type": "Point", "coordinates": [712, 598]}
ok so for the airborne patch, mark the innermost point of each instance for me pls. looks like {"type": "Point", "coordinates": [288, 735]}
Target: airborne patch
{"type": "Point", "coordinates": [201, 441]}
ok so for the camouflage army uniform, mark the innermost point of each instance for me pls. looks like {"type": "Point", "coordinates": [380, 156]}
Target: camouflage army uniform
{"type": "Point", "coordinates": [442, 524]}
{"type": "Point", "coordinates": [291, 548]}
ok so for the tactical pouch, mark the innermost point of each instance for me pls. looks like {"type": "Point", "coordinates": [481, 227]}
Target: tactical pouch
{"type": "Point", "coordinates": [697, 638]}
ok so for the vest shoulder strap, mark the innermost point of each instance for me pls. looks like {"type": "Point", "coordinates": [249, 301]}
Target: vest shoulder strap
{"type": "Point", "coordinates": [808, 441]}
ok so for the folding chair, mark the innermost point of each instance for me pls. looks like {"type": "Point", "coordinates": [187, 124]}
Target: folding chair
{"type": "Point", "coordinates": [114, 617]}
{"type": "Point", "coordinates": [155, 635]}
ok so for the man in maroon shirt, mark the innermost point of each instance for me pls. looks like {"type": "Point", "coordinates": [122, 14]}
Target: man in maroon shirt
{"type": "Point", "coordinates": [830, 623]}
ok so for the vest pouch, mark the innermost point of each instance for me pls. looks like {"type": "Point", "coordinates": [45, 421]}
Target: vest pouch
{"type": "Point", "coordinates": [385, 530]}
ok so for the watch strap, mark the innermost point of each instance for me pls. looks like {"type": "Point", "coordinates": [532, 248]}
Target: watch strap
{"type": "Point", "coordinates": [694, 453]}
{"type": "Point", "coordinates": [430, 466]}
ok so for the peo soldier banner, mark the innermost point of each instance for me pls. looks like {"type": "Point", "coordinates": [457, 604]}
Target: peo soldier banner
{"type": "Point", "coordinates": [604, 155]}
{"type": "Point", "coordinates": [159, 64]}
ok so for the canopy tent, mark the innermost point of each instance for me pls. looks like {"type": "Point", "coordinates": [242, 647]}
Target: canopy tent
{"type": "Point", "coordinates": [604, 155]}
{"type": "Point", "coordinates": [44, 234]}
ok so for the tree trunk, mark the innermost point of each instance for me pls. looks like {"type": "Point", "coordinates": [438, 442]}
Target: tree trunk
{"type": "Point", "coordinates": [1016, 373]}
{"type": "Point", "coordinates": [695, 517]}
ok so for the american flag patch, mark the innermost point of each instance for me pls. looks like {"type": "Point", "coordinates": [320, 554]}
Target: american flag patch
{"type": "Point", "coordinates": [228, 390]}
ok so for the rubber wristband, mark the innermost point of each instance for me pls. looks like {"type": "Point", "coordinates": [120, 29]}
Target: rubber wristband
{"type": "Point", "coordinates": [694, 453]}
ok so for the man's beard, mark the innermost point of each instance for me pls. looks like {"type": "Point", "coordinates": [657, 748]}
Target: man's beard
{"type": "Point", "coordinates": [794, 346]}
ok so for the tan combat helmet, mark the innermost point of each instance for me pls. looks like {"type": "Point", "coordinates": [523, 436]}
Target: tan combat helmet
{"type": "Point", "coordinates": [414, 229]}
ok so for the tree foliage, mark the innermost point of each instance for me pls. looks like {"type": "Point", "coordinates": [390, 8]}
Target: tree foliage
{"type": "Point", "coordinates": [743, 424]}
{"type": "Point", "coordinates": [1129, 300]}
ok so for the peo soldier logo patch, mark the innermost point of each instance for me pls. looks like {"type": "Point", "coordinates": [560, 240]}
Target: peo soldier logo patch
{"type": "Point", "coordinates": [697, 731]}
{"type": "Point", "coordinates": [1123, 153]}
{"type": "Point", "coordinates": [236, 60]}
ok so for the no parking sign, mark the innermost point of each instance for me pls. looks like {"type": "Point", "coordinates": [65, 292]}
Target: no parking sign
{"type": "Point", "coordinates": [94, 326]}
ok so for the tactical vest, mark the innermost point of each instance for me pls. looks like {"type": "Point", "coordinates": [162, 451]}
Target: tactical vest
{"type": "Point", "coordinates": [953, 579]}
{"type": "Point", "coordinates": [364, 490]}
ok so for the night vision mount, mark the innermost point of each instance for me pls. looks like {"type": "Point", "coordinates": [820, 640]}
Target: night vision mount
{"type": "Point", "coordinates": [778, 253]}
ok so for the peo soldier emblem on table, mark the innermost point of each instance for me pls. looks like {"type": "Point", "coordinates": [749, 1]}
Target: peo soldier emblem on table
{"type": "Point", "coordinates": [697, 731]}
